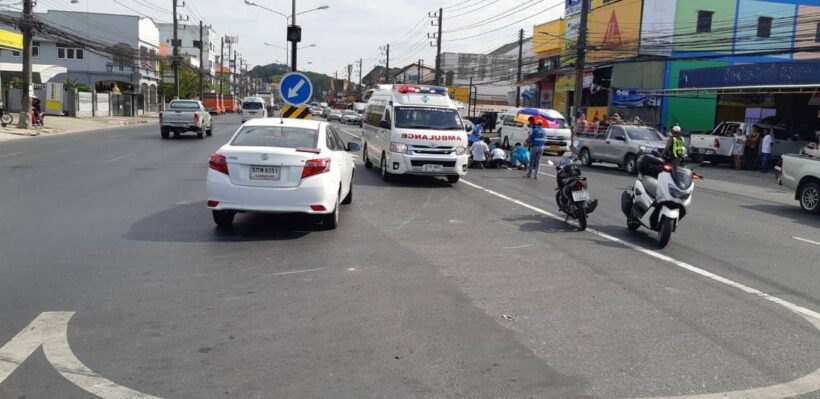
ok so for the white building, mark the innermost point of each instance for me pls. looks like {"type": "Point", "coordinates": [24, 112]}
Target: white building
{"type": "Point", "coordinates": [188, 36]}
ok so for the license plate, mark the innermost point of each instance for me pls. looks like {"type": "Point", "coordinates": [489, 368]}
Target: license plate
{"type": "Point", "coordinates": [580, 195]}
{"type": "Point", "coordinates": [433, 168]}
{"type": "Point", "coordinates": [265, 172]}
{"type": "Point", "coordinates": [555, 147]}
{"type": "Point", "coordinates": [709, 152]}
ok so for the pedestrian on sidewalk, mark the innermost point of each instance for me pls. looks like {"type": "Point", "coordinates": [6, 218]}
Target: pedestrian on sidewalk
{"type": "Point", "coordinates": [537, 140]}
{"type": "Point", "coordinates": [520, 157]}
{"type": "Point", "coordinates": [480, 152]}
{"type": "Point", "coordinates": [738, 148]}
{"type": "Point", "coordinates": [765, 151]}
{"type": "Point", "coordinates": [498, 157]}
{"type": "Point", "coordinates": [752, 143]}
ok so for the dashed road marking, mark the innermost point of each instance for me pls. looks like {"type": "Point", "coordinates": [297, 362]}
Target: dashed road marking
{"type": "Point", "coordinates": [117, 158]}
{"type": "Point", "coordinates": [806, 384]}
{"type": "Point", "coordinates": [351, 134]}
{"type": "Point", "coordinates": [298, 271]}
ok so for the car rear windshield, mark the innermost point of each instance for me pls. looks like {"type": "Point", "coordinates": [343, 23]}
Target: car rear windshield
{"type": "Point", "coordinates": [276, 136]}
{"type": "Point", "coordinates": [643, 134]}
{"type": "Point", "coordinates": [183, 105]}
{"type": "Point", "coordinates": [251, 105]}
{"type": "Point", "coordinates": [427, 118]}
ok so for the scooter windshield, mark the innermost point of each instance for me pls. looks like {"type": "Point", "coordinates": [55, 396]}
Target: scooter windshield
{"type": "Point", "coordinates": [682, 178]}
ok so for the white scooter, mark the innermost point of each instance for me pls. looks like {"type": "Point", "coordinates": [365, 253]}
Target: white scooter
{"type": "Point", "coordinates": [660, 197]}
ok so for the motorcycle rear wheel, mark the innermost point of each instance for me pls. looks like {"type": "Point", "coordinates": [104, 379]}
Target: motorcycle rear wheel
{"type": "Point", "coordinates": [6, 119]}
{"type": "Point", "coordinates": [581, 215]}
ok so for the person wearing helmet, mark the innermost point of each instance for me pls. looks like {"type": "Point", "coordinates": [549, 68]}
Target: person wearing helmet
{"type": "Point", "coordinates": [674, 147]}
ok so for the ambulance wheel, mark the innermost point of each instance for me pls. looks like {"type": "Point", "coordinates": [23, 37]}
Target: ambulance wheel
{"type": "Point", "coordinates": [367, 163]}
{"type": "Point", "coordinates": [383, 169]}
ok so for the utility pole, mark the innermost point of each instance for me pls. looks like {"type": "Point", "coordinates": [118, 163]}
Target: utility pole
{"type": "Point", "coordinates": [520, 55]}
{"type": "Point", "coordinates": [470, 97]}
{"type": "Point", "coordinates": [27, 27]}
{"type": "Point", "coordinates": [221, 61]}
{"type": "Point", "coordinates": [579, 66]}
{"type": "Point", "coordinates": [419, 80]}
{"type": "Point", "coordinates": [297, 32]}
{"type": "Point", "coordinates": [176, 50]}
{"type": "Point", "coordinates": [201, 61]}
{"type": "Point", "coordinates": [235, 74]}
{"type": "Point", "coordinates": [349, 82]}
{"type": "Point", "coordinates": [438, 47]}
{"type": "Point", "coordinates": [387, 64]}
{"type": "Point", "coordinates": [360, 76]}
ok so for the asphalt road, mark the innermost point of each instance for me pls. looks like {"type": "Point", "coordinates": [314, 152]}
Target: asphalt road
{"type": "Point", "coordinates": [426, 290]}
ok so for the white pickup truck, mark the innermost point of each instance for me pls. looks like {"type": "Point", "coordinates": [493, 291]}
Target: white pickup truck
{"type": "Point", "coordinates": [801, 173]}
{"type": "Point", "coordinates": [716, 146]}
{"type": "Point", "coordinates": [185, 116]}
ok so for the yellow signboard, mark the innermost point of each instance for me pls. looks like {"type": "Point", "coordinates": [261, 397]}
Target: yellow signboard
{"type": "Point", "coordinates": [11, 40]}
{"type": "Point", "coordinates": [459, 93]}
{"type": "Point", "coordinates": [565, 83]}
{"type": "Point", "coordinates": [548, 38]}
{"type": "Point", "coordinates": [614, 30]}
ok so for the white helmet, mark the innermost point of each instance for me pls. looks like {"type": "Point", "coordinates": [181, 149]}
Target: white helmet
{"type": "Point", "coordinates": [675, 129]}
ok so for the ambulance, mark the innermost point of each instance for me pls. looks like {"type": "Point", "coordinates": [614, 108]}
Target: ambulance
{"type": "Point", "coordinates": [414, 130]}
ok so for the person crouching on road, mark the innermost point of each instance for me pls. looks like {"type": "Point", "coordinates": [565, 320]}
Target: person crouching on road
{"type": "Point", "coordinates": [480, 152]}
{"type": "Point", "coordinates": [475, 135]}
{"type": "Point", "coordinates": [520, 157]}
{"type": "Point", "coordinates": [537, 140]}
{"type": "Point", "coordinates": [498, 157]}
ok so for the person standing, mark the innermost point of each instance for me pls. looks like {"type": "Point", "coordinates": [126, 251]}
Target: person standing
{"type": "Point", "coordinates": [674, 147]}
{"type": "Point", "coordinates": [738, 148]}
{"type": "Point", "coordinates": [537, 140]}
{"type": "Point", "coordinates": [765, 151]}
{"type": "Point", "coordinates": [752, 143]}
{"type": "Point", "coordinates": [475, 135]}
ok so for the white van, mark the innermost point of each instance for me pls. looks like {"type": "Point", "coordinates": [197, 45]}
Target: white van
{"type": "Point", "coordinates": [253, 107]}
{"type": "Point", "coordinates": [512, 127]}
{"type": "Point", "coordinates": [414, 130]}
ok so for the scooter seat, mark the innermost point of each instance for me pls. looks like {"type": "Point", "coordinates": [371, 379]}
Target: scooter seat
{"type": "Point", "coordinates": [650, 184]}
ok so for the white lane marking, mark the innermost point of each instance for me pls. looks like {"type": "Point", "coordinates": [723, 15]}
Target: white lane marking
{"type": "Point", "coordinates": [351, 269]}
{"type": "Point", "coordinates": [354, 136]}
{"type": "Point", "coordinates": [805, 240]}
{"type": "Point", "coordinates": [117, 158]}
{"type": "Point", "coordinates": [518, 246]}
{"type": "Point", "coordinates": [50, 329]}
{"type": "Point", "coordinates": [427, 201]}
{"type": "Point", "coordinates": [113, 136]}
{"type": "Point", "coordinates": [806, 384]}
{"type": "Point", "coordinates": [298, 271]}
{"type": "Point", "coordinates": [12, 154]}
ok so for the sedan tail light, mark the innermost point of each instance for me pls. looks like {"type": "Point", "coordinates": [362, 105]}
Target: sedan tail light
{"type": "Point", "coordinates": [315, 167]}
{"type": "Point", "coordinates": [218, 163]}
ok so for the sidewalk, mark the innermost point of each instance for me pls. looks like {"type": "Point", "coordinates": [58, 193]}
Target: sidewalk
{"type": "Point", "coordinates": [64, 125]}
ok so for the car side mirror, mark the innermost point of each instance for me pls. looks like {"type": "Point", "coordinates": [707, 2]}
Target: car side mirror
{"type": "Point", "coordinates": [384, 124]}
{"type": "Point", "coordinates": [353, 147]}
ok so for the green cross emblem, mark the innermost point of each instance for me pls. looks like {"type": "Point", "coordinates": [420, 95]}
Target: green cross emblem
{"type": "Point", "coordinates": [425, 99]}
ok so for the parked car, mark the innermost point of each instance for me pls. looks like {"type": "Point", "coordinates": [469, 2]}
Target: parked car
{"type": "Point", "coordinates": [514, 128]}
{"type": "Point", "coordinates": [351, 117]}
{"type": "Point", "coordinates": [620, 144]}
{"type": "Point", "coordinates": [253, 107]}
{"type": "Point", "coordinates": [716, 146]}
{"type": "Point", "coordinates": [281, 166]}
{"type": "Point", "coordinates": [325, 112]}
{"type": "Point", "coordinates": [185, 116]}
{"type": "Point", "coordinates": [334, 115]}
{"type": "Point", "coordinates": [315, 111]}
{"type": "Point", "coordinates": [801, 173]}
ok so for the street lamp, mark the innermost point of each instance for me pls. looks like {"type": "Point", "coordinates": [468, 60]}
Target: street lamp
{"type": "Point", "coordinates": [288, 19]}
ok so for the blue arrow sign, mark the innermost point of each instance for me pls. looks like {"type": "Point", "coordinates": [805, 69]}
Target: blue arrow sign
{"type": "Point", "coordinates": [295, 89]}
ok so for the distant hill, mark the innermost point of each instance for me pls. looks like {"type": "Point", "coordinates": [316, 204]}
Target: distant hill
{"type": "Point", "coordinates": [273, 72]}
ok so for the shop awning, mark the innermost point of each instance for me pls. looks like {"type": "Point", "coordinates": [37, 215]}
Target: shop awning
{"type": "Point", "coordinates": [756, 89]}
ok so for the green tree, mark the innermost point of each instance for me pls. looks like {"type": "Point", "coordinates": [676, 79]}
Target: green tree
{"type": "Point", "coordinates": [188, 83]}
{"type": "Point", "coordinates": [273, 73]}
{"type": "Point", "coordinates": [16, 83]}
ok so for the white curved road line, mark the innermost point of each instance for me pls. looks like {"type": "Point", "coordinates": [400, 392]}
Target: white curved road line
{"type": "Point", "coordinates": [800, 386]}
{"type": "Point", "coordinates": [50, 329]}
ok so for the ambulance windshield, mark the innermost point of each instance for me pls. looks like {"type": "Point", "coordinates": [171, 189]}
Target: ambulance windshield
{"type": "Point", "coordinates": [427, 118]}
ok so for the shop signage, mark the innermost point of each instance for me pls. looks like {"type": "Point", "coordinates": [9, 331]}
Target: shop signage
{"type": "Point", "coordinates": [11, 40]}
{"type": "Point", "coordinates": [567, 82]}
{"type": "Point", "coordinates": [632, 98]}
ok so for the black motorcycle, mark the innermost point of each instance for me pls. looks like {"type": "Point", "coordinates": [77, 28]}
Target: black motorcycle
{"type": "Point", "coordinates": [572, 194]}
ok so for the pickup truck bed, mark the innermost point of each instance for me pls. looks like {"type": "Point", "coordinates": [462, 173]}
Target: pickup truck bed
{"type": "Point", "coordinates": [801, 173]}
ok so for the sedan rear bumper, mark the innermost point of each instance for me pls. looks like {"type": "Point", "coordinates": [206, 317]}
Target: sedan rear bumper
{"type": "Point", "coordinates": [315, 190]}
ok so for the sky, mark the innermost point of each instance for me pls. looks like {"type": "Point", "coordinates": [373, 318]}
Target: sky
{"type": "Point", "coordinates": [346, 32]}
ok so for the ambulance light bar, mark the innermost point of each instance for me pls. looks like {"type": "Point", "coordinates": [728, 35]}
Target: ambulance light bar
{"type": "Point", "coordinates": [404, 89]}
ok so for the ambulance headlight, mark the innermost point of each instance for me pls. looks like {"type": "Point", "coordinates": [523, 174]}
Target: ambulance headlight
{"type": "Point", "coordinates": [398, 147]}
{"type": "Point", "coordinates": [461, 150]}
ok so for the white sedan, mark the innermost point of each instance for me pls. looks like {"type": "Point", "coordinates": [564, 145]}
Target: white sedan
{"type": "Point", "coordinates": [281, 166]}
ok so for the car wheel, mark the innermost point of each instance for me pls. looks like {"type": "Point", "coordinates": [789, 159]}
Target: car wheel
{"type": "Point", "coordinates": [164, 132]}
{"type": "Point", "coordinates": [383, 166]}
{"type": "Point", "coordinates": [453, 179]}
{"type": "Point", "coordinates": [200, 133]}
{"type": "Point", "coordinates": [331, 220]}
{"type": "Point", "coordinates": [210, 131]}
{"type": "Point", "coordinates": [631, 164]}
{"type": "Point", "coordinates": [586, 159]}
{"type": "Point", "coordinates": [223, 219]}
{"type": "Point", "coordinates": [810, 197]}
{"type": "Point", "coordinates": [367, 163]}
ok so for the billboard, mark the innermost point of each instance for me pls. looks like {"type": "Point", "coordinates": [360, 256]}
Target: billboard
{"type": "Point", "coordinates": [658, 27]}
{"type": "Point", "coordinates": [459, 93]}
{"type": "Point", "coordinates": [11, 40]}
{"type": "Point", "coordinates": [547, 39]}
{"type": "Point", "coordinates": [614, 31]}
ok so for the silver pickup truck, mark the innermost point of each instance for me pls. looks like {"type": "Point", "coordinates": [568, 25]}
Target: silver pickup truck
{"type": "Point", "coordinates": [801, 173]}
{"type": "Point", "coordinates": [185, 116]}
{"type": "Point", "coordinates": [620, 144]}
